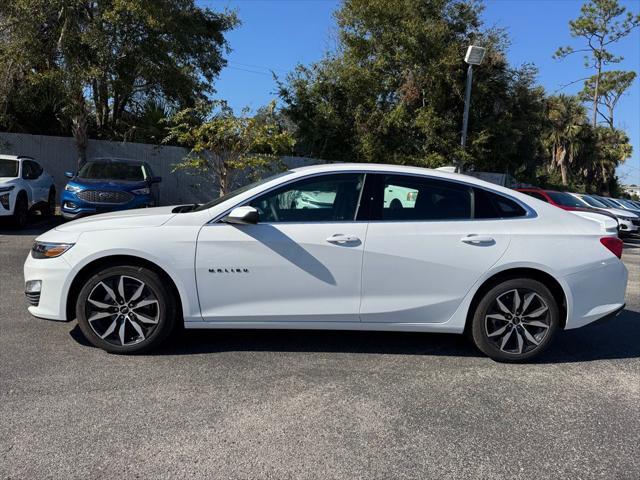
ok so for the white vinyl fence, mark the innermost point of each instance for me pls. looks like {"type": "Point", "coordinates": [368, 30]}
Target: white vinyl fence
{"type": "Point", "coordinates": [58, 155]}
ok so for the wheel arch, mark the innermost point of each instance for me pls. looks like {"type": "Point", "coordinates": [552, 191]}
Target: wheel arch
{"type": "Point", "coordinates": [547, 279]}
{"type": "Point", "coordinates": [22, 193]}
{"type": "Point", "coordinates": [112, 260]}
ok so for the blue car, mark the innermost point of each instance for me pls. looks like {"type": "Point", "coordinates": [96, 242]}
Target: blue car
{"type": "Point", "coordinates": [108, 184]}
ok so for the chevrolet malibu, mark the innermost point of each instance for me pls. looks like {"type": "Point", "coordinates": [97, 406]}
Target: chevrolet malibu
{"type": "Point", "coordinates": [464, 256]}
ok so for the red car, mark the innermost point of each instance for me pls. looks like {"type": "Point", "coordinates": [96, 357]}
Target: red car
{"type": "Point", "coordinates": [562, 200]}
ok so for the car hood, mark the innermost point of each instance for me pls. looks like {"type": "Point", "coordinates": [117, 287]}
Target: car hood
{"type": "Point", "coordinates": [622, 213]}
{"type": "Point", "coordinates": [142, 217]}
{"type": "Point", "coordinates": [108, 184]}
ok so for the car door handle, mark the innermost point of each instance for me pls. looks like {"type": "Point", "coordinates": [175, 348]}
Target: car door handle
{"type": "Point", "coordinates": [341, 238]}
{"type": "Point", "coordinates": [478, 240]}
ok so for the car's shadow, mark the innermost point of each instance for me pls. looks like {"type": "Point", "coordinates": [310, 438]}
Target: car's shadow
{"type": "Point", "coordinates": [36, 225]}
{"type": "Point", "coordinates": [615, 339]}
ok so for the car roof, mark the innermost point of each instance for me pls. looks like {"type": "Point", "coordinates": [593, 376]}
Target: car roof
{"type": "Point", "coordinates": [396, 169]}
{"type": "Point", "coordinates": [128, 161]}
{"type": "Point", "coordinates": [17, 158]}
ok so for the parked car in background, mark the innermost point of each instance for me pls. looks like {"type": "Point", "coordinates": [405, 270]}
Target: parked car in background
{"type": "Point", "coordinates": [466, 256]}
{"type": "Point", "coordinates": [627, 205]}
{"type": "Point", "coordinates": [629, 222]}
{"type": "Point", "coordinates": [613, 204]}
{"type": "Point", "coordinates": [24, 187]}
{"type": "Point", "coordinates": [108, 184]}
{"type": "Point", "coordinates": [568, 202]}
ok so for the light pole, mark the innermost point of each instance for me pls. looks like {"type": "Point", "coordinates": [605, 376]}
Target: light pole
{"type": "Point", "coordinates": [474, 56]}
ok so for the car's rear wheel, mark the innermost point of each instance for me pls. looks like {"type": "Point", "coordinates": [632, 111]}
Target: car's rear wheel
{"type": "Point", "coordinates": [515, 320]}
{"type": "Point", "coordinates": [21, 211]}
{"type": "Point", "coordinates": [126, 309]}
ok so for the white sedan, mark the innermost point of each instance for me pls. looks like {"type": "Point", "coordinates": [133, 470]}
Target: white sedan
{"type": "Point", "coordinates": [466, 256]}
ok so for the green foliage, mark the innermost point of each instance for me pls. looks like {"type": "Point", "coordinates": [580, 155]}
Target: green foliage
{"type": "Point", "coordinates": [393, 91]}
{"type": "Point", "coordinates": [601, 24]}
{"type": "Point", "coordinates": [611, 86]}
{"type": "Point", "coordinates": [566, 133]}
{"type": "Point", "coordinates": [224, 146]}
{"type": "Point", "coordinates": [585, 158]}
{"type": "Point", "coordinates": [108, 59]}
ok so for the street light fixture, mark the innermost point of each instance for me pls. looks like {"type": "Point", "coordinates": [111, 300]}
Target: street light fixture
{"type": "Point", "coordinates": [474, 56]}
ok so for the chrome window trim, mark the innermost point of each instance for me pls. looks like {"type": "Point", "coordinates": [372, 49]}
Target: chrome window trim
{"type": "Point", "coordinates": [530, 212]}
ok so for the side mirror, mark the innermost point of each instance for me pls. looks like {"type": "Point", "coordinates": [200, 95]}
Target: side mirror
{"type": "Point", "coordinates": [156, 179]}
{"type": "Point", "coordinates": [69, 174]}
{"type": "Point", "coordinates": [243, 216]}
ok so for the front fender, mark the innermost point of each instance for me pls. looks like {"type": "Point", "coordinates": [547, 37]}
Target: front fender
{"type": "Point", "coordinates": [176, 259]}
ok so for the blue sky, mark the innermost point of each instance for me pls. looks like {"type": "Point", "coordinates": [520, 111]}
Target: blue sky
{"type": "Point", "coordinates": [278, 34]}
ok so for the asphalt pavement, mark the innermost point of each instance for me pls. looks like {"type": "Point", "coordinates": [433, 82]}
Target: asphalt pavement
{"type": "Point", "coordinates": [287, 404]}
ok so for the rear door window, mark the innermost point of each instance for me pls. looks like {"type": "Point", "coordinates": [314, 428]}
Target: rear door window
{"type": "Point", "coordinates": [492, 205]}
{"type": "Point", "coordinates": [415, 198]}
{"type": "Point", "coordinates": [406, 197]}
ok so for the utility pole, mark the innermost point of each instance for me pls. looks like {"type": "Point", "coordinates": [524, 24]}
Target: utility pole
{"type": "Point", "coordinates": [474, 56]}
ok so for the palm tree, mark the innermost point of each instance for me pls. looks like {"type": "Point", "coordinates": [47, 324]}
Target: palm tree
{"type": "Point", "coordinates": [567, 118]}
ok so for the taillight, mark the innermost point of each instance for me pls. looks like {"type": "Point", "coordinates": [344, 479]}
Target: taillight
{"type": "Point", "coordinates": [614, 244]}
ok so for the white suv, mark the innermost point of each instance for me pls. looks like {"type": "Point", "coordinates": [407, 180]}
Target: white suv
{"type": "Point", "coordinates": [24, 186]}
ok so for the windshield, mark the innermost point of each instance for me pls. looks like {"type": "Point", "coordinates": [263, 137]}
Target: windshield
{"type": "Point", "coordinates": [239, 191]}
{"type": "Point", "coordinates": [627, 203]}
{"type": "Point", "coordinates": [112, 171]}
{"type": "Point", "coordinates": [594, 202]}
{"type": "Point", "coordinates": [608, 202]}
{"type": "Point", "coordinates": [566, 200]}
{"type": "Point", "coordinates": [8, 168]}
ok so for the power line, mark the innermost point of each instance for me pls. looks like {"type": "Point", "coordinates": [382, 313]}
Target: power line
{"type": "Point", "coordinates": [250, 71]}
{"type": "Point", "coordinates": [253, 65]}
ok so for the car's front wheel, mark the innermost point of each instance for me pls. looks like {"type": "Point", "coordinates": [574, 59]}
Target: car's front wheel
{"type": "Point", "coordinates": [21, 211]}
{"type": "Point", "coordinates": [515, 320]}
{"type": "Point", "coordinates": [50, 208]}
{"type": "Point", "coordinates": [125, 309]}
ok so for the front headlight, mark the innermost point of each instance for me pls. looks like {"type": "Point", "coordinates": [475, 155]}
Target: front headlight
{"type": "Point", "coordinates": [7, 189]}
{"type": "Point", "coordinates": [49, 250]}
{"type": "Point", "coordinates": [72, 188]}
{"type": "Point", "coordinates": [4, 200]}
{"type": "Point", "coordinates": [141, 191]}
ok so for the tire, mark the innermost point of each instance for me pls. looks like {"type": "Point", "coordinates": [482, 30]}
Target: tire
{"type": "Point", "coordinates": [20, 211]}
{"type": "Point", "coordinates": [50, 209]}
{"type": "Point", "coordinates": [140, 325]}
{"type": "Point", "coordinates": [505, 332]}
{"type": "Point", "coordinates": [395, 204]}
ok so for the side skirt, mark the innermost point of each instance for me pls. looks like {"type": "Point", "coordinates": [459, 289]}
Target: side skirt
{"type": "Point", "coordinates": [383, 327]}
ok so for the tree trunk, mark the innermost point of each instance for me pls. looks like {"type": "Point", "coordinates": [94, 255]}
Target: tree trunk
{"type": "Point", "coordinates": [223, 178]}
{"type": "Point", "coordinates": [561, 157]}
{"type": "Point", "coordinates": [605, 181]}
{"type": "Point", "coordinates": [596, 95]}
{"type": "Point", "coordinates": [79, 128]}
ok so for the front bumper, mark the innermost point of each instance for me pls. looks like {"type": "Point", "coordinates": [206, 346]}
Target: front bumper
{"type": "Point", "coordinates": [54, 275]}
{"type": "Point", "coordinates": [83, 208]}
{"type": "Point", "coordinates": [626, 226]}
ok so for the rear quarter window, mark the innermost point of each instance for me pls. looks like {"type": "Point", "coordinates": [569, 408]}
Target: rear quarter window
{"type": "Point", "coordinates": [492, 205]}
